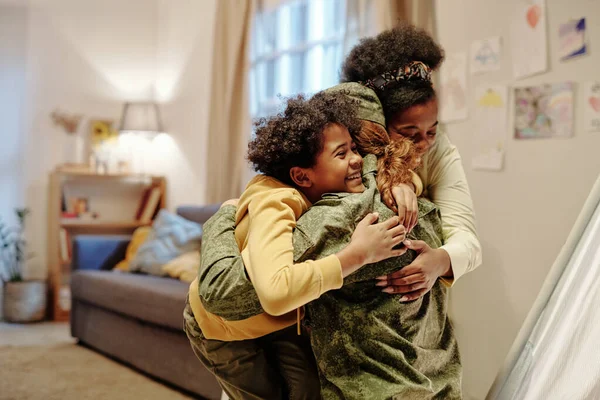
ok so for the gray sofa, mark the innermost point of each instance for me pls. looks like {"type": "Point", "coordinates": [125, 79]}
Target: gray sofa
{"type": "Point", "coordinates": [135, 318]}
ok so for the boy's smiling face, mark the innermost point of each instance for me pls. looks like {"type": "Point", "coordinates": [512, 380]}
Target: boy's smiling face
{"type": "Point", "coordinates": [337, 168]}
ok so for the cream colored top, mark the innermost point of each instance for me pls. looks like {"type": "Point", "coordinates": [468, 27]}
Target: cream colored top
{"type": "Point", "coordinates": [445, 184]}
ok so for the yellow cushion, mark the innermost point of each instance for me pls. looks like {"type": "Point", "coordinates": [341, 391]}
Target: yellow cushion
{"type": "Point", "coordinates": [138, 238]}
{"type": "Point", "coordinates": [184, 267]}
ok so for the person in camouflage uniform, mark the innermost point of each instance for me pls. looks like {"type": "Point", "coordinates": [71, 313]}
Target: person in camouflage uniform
{"type": "Point", "coordinates": [367, 344]}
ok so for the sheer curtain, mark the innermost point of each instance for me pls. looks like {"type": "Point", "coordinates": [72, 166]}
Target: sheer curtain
{"type": "Point", "coordinates": [297, 47]}
{"type": "Point", "coordinates": [556, 355]}
{"type": "Point", "coordinates": [387, 13]}
{"type": "Point", "coordinates": [229, 118]}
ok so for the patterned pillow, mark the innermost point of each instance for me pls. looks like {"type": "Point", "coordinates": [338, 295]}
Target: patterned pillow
{"type": "Point", "coordinates": [170, 237]}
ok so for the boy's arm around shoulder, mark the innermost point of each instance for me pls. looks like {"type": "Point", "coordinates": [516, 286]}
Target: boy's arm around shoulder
{"type": "Point", "coordinates": [224, 288]}
{"type": "Point", "coordinates": [281, 284]}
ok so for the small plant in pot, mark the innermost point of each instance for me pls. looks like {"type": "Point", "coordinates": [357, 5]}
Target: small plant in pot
{"type": "Point", "coordinates": [24, 300]}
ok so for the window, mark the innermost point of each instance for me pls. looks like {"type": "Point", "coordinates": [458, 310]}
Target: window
{"type": "Point", "coordinates": [299, 47]}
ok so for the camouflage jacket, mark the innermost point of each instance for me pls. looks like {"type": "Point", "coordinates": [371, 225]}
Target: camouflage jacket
{"type": "Point", "coordinates": [367, 344]}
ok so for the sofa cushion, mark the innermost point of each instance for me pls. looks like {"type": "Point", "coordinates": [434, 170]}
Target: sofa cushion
{"type": "Point", "coordinates": [198, 214]}
{"type": "Point", "coordinates": [184, 267]}
{"type": "Point", "coordinates": [137, 239]}
{"type": "Point", "coordinates": [148, 298]}
{"type": "Point", "coordinates": [170, 237]}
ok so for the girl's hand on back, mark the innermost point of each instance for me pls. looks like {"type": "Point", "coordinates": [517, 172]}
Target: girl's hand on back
{"type": "Point", "coordinates": [416, 279]}
{"type": "Point", "coordinates": [372, 242]}
{"type": "Point", "coordinates": [404, 202]}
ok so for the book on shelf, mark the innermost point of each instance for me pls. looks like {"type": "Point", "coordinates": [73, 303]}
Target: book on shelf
{"type": "Point", "coordinates": [65, 245]}
{"type": "Point", "coordinates": [64, 297]}
{"type": "Point", "coordinates": [149, 204]}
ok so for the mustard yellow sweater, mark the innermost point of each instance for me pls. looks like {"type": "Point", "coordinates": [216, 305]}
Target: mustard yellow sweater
{"type": "Point", "coordinates": [266, 216]}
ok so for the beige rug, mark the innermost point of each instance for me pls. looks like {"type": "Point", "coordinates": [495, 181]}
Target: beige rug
{"type": "Point", "coordinates": [72, 372]}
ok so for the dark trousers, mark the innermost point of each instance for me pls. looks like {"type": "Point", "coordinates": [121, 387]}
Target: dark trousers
{"type": "Point", "coordinates": [277, 366]}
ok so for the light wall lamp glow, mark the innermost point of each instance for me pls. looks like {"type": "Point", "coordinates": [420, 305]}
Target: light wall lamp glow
{"type": "Point", "coordinates": [141, 118]}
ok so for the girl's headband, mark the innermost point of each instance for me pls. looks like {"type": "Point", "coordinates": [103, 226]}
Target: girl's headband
{"type": "Point", "coordinates": [413, 71]}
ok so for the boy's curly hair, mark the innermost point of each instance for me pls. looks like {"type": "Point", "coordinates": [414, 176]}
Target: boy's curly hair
{"type": "Point", "coordinates": [390, 50]}
{"type": "Point", "coordinates": [294, 137]}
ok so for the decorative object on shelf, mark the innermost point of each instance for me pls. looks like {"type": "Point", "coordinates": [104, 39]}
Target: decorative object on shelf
{"type": "Point", "coordinates": [69, 122]}
{"type": "Point", "coordinates": [123, 167]}
{"type": "Point", "coordinates": [73, 142]}
{"type": "Point", "coordinates": [24, 300]}
{"type": "Point", "coordinates": [104, 146]}
{"type": "Point", "coordinates": [79, 205]}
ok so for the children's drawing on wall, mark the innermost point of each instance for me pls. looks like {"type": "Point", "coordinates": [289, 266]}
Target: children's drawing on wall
{"type": "Point", "coordinates": [491, 105]}
{"type": "Point", "coordinates": [544, 111]}
{"type": "Point", "coordinates": [485, 55]}
{"type": "Point", "coordinates": [528, 38]}
{"type": "Point", "coordinates": [572, 39]}
{"type": "Point", "coordinates": [453, 88]}
{"type": "Point", "coordinates": [591, 104]}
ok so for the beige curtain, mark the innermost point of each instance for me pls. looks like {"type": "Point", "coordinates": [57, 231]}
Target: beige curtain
{"type": "Point", "coordinates": [387, 13]}
{"type": "Point", "coordinates": [229, 118]}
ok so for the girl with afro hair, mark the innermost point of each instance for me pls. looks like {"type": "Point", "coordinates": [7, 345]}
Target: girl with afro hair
{"type": "Point", "coordinates": [397, 64]}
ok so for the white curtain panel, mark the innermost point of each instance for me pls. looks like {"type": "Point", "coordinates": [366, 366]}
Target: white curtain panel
{"type": "Point", "coordinates": [557, 353]}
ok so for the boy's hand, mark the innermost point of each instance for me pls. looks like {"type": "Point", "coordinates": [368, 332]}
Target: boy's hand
{"type": "Point", "coordinates": [405, 204]}
{"type": "Point", "coordinates": [376, 241]}
{"type": "Point", "coordinates": [372, 242]}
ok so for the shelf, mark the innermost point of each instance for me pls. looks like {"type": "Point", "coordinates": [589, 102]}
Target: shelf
{"type": "Point", "coordinates": [87, 224]}
{"type": "Point", "coordinates": [90, 175]}
{"type": "Point", "coordinates": [105, 191]}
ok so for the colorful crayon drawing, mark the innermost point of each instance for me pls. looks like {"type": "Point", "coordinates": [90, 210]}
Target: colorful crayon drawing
{"type": "Point", "coordinates": [544, 111]}
{"type": "Point", "coordinates": [485, 55]}
{"type": "Point", "coordinates": [572, 39]}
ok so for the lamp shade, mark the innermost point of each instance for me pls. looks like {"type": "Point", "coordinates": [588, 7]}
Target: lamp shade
{"type": "Point", "coordinates": [141, 118]}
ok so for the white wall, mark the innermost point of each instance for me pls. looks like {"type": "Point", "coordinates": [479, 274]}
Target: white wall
{"type": "Point", "coordinates": [526, 211]}
{"type": "Point", "coordinates": [84, 58]}
{"type": "Point", "coordinates": [88, 58]}
{"type": "Point", "coordinates": [185, 45]}
{"type": "Point", "coordinates": [13, 37]}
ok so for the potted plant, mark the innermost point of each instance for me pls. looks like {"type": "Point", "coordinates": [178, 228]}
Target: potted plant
{"type": "Point", "coordinates": [24, 300]}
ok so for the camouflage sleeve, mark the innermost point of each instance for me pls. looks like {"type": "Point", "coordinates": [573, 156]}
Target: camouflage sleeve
{"type": "Point", "coordinates": [224, 287]}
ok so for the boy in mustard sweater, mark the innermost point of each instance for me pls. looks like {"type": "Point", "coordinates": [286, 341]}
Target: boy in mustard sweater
{"type": "Point", "coordinates": [303, 153]}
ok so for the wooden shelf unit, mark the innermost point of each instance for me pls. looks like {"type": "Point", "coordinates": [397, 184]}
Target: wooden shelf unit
{"type": "Point", "coordinates": [100, 225]}
{"type": "Point", "coordinates": [59, 269]}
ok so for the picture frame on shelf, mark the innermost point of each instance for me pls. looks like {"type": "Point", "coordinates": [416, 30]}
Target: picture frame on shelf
{"type": "Point", "coordinates": [103, 149]}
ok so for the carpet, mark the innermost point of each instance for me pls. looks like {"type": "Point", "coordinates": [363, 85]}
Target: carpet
{"type": "Point", "coordinates": [72, 372]}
